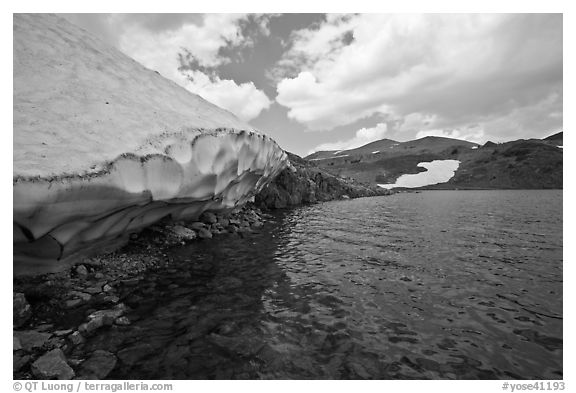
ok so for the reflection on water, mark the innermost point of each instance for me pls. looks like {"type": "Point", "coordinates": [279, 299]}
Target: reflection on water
{"type": "Point", "coordinates": [440, 284]}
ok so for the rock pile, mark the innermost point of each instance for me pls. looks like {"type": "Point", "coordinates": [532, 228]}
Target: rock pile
{"type": "Point", "coordinates": [87, 299]}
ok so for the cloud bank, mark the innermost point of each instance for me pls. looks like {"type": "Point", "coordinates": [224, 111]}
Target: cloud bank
{"type": "Point", "coordinates": [498, 74]}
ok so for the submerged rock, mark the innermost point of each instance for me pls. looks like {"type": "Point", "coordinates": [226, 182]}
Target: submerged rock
{"type": "Point", "coordinates": [31, 339]}
{"type": "Point", "coordinates": [101, 318]}
{"type": "Point", "coordinates": [132, 355]}
{"type": "Point", "coordinates": [104, 147]}
{"type": "Point", "coordinates": [52, 365]}
{"type": "Point", "coordinates": [98, 365]}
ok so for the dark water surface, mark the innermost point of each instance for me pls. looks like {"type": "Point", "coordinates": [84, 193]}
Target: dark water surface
{"type": "Point", "coordinates": [438, 284]}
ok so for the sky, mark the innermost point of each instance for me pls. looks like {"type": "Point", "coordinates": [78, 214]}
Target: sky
{"type": "Point", "coordinates": [339, 81]}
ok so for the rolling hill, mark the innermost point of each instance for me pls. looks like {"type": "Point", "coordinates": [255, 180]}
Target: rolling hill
{"type": "Point", "coordinates": [531, 163]}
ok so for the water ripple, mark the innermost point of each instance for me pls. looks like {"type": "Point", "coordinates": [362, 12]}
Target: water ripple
{"type": "Point", "coordinates": [427, 285]}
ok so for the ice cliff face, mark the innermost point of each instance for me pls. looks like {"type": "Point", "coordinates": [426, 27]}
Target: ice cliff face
{"type": "Point", "coordinates": [104, 147]}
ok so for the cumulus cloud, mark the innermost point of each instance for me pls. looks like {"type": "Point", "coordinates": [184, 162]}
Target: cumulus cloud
{"type": "Point", "coordinates": [453, 71]}
{"type": "Point", "coordinates": [245, 100]}
{"type": "Point", "coordinates": [161, 41]}
{"type": "Point", "coordinates": [362, 137]}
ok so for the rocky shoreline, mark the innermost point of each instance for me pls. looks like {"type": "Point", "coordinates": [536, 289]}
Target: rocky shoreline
{"type": "Point", "coordinates": [55, 313]}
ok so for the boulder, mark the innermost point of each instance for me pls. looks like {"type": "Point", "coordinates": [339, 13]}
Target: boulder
{"type": "Point", "coordinates": [76, 338]}
{"type": "Point", "coordinates": [31, 339]}
{"type": "Point", "coordinates": [183, 233]}
{"type": "Point", "coordinates": [81, 271]}
{"type": "Point", "coordinates": [101, 318]}
{"type": "Point", "coordinates": [204, 233]}
{"type": "Point", "coordinates": [52, 365]}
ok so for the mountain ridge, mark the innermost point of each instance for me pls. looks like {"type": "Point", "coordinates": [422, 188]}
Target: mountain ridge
{"type": "Point", "coordinates": [523, 163]}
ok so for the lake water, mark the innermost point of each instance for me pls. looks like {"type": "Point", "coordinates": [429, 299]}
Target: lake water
{"type": "Point", "coordinates": [437, 284]}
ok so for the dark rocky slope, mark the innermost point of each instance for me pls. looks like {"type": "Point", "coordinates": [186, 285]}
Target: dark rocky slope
{"type": "Point", "coordinates": [522, 164]}
{"type": "Point", "coordinates": [307, 183]}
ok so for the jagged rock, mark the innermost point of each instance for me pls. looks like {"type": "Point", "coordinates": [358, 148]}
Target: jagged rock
{"type": "Point", "coordinates": [81, 271]}
{"type": "Point", "coordinates": [55, 342]}
{"type": "Point", "coordinates": [104, 147]}
{"type": "Point", "coordinates": [31, 339]}
{"type": "Point", "coordinates": [21, 309]}
{"type": "Point", "coordinates": [304, 182]}
{"type": "Point", "coordinates": [98, 365]}
{"type": "Point", "coordinates": [204, 233]}
{"type": "Point", "coordinates": [76, 338]}
{"type": "Point", "coordinates": [111, 299]}
{"type": "Point", "coordinates": [52, 365]}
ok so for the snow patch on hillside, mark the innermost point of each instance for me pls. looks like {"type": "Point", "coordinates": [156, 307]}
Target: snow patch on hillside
{"type": "Point", "coordinates": [438, 171]}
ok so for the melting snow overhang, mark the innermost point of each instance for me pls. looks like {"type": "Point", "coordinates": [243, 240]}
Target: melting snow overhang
{"type": "Point", "coordinates": [104, 147]}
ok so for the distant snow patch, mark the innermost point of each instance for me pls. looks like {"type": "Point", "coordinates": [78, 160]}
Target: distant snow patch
{"type": "Point", "coordinates": [474, 147]}
{"type": "Point", "coordinates": [438, 171]}
{"type": "Point", "coordinates": [377, 151]}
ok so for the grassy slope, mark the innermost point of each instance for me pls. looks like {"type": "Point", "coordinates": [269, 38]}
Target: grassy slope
{"type": "Point", "coordinates": [518, 164]}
